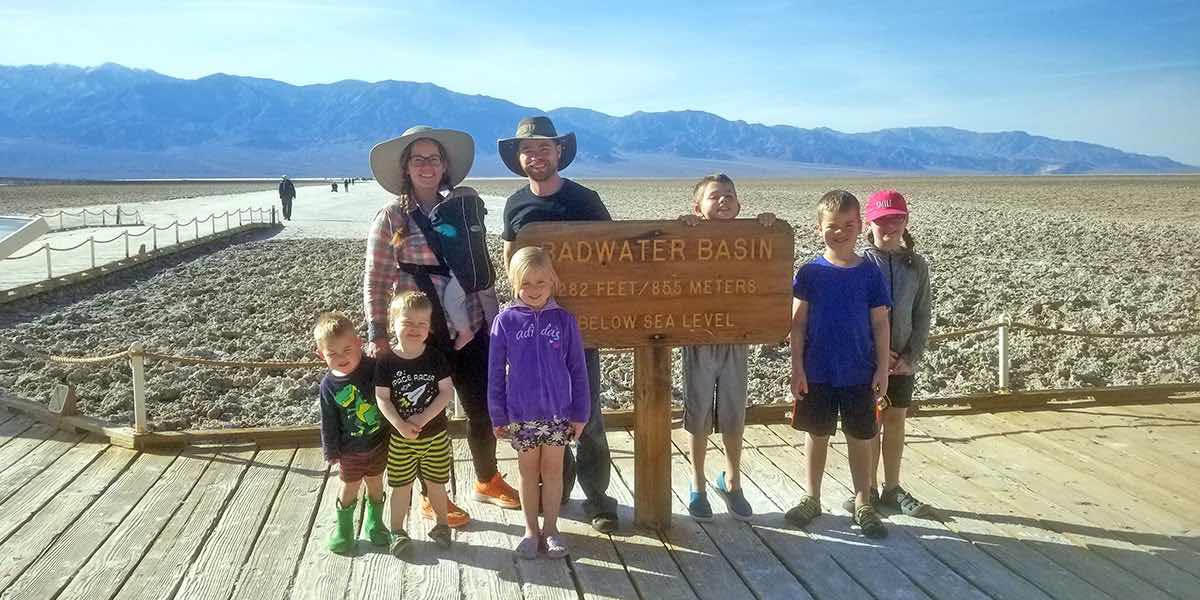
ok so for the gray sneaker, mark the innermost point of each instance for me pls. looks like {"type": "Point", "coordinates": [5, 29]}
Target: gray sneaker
{"type": "Point", "coordinates": [735, 500]}
{"type": "Point", "coordinates": [899, 499]}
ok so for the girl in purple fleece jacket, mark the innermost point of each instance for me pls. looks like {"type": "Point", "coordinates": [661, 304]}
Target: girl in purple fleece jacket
{"type": "Point", "coordinates": [537, 392]}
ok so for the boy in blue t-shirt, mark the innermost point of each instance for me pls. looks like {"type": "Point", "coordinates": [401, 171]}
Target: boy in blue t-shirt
{"type": "Point", "coordinates": [840, 351]}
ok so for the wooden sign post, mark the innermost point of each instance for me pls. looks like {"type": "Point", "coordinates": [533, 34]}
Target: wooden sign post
{"type": "Point", "coordinates": [653, 285]}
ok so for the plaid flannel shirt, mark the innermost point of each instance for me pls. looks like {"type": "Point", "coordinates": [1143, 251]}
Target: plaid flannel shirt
{"type": "Point", "coordinates": [382, 278]}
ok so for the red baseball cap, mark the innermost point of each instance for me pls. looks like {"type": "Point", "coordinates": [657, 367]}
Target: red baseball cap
{"type": "Point", "coordinates": [884, 203]}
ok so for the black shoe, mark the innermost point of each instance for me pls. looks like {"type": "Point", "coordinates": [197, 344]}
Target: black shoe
{"type": "Point", "coordinates": [440, 534]}
{"type": "Point", "coordinates": [605, 523]}
{"type": "Point", "coordinates": [400, 542]}
{"type": "Point", "coordinates": [868, 521]}
{"type": "Point", "coordinates": [899, 499]}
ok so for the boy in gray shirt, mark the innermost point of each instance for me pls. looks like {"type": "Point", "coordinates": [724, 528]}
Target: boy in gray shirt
{"type": "Point", "coordinates": [715, 377]}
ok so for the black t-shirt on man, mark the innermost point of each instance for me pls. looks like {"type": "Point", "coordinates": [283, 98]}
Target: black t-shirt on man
{"type": "Point", "coordinates": [572, 202]}
{"type": "Point", "coordinates": [414, 384]}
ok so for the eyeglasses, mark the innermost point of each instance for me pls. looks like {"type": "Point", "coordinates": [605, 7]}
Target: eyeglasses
{"type": "Point", "coordinates": [419, 161]}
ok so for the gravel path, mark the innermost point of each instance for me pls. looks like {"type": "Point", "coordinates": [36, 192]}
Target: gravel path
{"type": "Point", "coordinates": [1111, 270]}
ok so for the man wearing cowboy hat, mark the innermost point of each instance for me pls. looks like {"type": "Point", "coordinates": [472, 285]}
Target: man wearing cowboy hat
{"type": "Point", "coordinates": [538, 153]}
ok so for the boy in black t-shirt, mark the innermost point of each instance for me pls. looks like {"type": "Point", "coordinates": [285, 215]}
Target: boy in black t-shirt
{"type": "Point", "coordinates": [413, 387]}
{"type": "Point", "coordinates": [353, 434]}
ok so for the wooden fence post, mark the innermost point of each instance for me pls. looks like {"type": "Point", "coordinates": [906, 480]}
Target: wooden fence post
{"type": "Point", "coordinates": [137, 363]}
{"type": "Point", "coordinates": [1002, 347]}
{"type": "Point", "coordinates": [49, 272]}
{"type": "Point", "coordinates": [92, 249]}
{"type": "Point", "coordinates": [652, 437]}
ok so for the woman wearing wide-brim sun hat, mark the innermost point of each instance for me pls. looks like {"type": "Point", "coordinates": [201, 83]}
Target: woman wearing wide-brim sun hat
{"type": "Point", "coordinates": [423, 167]}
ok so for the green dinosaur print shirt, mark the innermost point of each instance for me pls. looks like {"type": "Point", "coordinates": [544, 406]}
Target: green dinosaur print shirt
{"type": "Point", "coordinates": [350, 419]}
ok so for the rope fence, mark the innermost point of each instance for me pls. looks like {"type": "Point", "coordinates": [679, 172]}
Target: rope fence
{"type": "Point", "coordinates": [137, 355]}
{"type": "Point", "coordinates": [80, 219]}
{"type": "Point", "coordinates": [244, 216]}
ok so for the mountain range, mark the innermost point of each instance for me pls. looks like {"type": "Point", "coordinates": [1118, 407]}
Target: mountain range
{"type": "Point", "coordinates": [110, 121]}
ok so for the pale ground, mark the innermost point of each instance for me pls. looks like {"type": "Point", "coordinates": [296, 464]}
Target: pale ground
{"type": "Point", "coordinates": [317, 212]}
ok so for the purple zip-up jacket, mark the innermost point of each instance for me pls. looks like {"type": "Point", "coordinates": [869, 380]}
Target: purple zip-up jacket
{"type": "Point", "coordinates": [535, 366]}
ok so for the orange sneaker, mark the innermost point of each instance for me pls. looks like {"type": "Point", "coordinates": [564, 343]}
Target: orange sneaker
{"type": "Point", "coordinates": [498, 492]}
{"type": "Point", "coordinates": [455, 516]}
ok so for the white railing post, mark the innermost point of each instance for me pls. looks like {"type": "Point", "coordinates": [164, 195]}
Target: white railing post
{"type": "Point", "coordinates": [49, 273]}
{"type": "Point", "coordinates": [239, 218]}
{"type": "Point", "coordinates": [103, 217]}
{"type": "Point", "coordinates": [60, 219]}
{"type": "Point", "coordinates": [137, 363]}
{"type": "Point", "coordinates": [226, 220]}
{"type": "Point", "coordinates": [118, 214]}
{"type": "Point", "coordinates": [177, 233]}
{"type": "Point", "coordinates": [272, 215]}
{"type": "Point", "coordinates": [125, 234]}
{"type": "Point", "coordinates": [213, 217]}
{"type": "Point", "coordinates": [197, 228]}
{"type": "Point", "coordinates": [92, 249]}
{"type": "Point", "coordinates": [1002, 347]}
{"type": "Point", "coordinates": [154, 236]}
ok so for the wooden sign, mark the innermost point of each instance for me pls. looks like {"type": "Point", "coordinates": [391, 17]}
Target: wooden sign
{"type": "Point", "coordinates": [664, 283]}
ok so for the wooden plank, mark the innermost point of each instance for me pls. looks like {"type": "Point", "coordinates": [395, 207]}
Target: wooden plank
{"type": "Point", "coordinates": [268, 571]}
{"type": "Point", "coordinates": [215, 570]}
{"type": "Point", "coordinates": [107, 569]}
{"type": "Point", "coordinates": [321, 574]}
{"type": "Point", "coordinates": [484, 548]}
{"type": "Point", "coordinates": [70, 551]}
{"type": "Point", "coordinates": [11, 454]}
{"type": "Point", "coordinates": [755, 565]}
{"type": "Point", "coordinates": [29, 541]}
{"type": "Point", "coordinates": [652, 437]}
{"type": "Point", "coordinates": [429, 571]}
{"type": "Point", "coordinates": [1023, 567]}
{"type": "Point", "coordinates": [13, 426]}
{"type": "Point", "coordinates": [1109, 537]}
{"type": "Point", "coordinates": [766, 486]}
{"type": "Point", "coordinates": [697, 554]}
{"type": "Point", "coordinates": [30, 499]}
{"type": "Point", "coordinates": [162, 567]}
{"type": "Point", "coordinates": [1069, 551]}
{"type": "Point", "coordinates": [1060, 480]}
{"type": "Point", "coordinates": [646, 283]}
{"type": "Point", "coordinates": [961, 557]}
{"type": "Point", "coordinates": [653, 570]}
{"type": "Point", "coordinates": [1171, 393]}
{"type": "Point", "coordinates": [549, 579]}
{"type": "Point", "coordinates": [37, 411]}
{"type": "Point", "coordinates": [901, 548]}
{"type": "Point", "coordinates": [26, 467]}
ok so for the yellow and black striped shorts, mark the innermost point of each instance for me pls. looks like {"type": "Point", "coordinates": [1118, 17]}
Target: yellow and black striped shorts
{"type": "Point", "coordinates": [428, 458]}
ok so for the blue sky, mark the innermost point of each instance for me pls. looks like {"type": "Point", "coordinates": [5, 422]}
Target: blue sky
{"type": "Point", "coordinates": [1124, 74]}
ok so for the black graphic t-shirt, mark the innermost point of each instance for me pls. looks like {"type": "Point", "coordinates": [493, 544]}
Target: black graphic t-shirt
{"type": "Point", "coordinates": [350, 419]}
{"type": "Point", "coordinates": [572, 202]}
{"type": "Point", "coordinates": [414, 383]}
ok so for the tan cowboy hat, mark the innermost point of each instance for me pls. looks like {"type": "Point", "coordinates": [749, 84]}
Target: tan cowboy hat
{"type": "Point", "coordinates": [385, 156]}
{"type": "Point", "coordinates": [535, 128]}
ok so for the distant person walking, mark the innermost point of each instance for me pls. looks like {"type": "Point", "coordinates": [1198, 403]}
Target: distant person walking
{"type": "Point", "coordinates": [287, 193]}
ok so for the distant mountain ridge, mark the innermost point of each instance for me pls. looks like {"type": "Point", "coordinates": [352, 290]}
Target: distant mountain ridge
{"type": "Point", "coordinates": [111, 121]}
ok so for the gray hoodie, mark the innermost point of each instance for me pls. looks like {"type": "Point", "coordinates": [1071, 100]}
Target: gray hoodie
{"type": "Point", "coordinates": [907, 275]}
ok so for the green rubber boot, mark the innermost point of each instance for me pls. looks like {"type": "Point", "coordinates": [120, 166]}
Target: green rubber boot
{"type": "Point", "coordinates": [341, 539]}
{"type": "Point", "coordinates": [373, 525]}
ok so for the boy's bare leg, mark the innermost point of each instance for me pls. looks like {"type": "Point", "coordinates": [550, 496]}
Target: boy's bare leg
{"type": "Point", "coordinates": [529, 462]}
{"type": "Point", "coordinates": [816, 448]}
{"type": "Point", "coordinates": [893, 445]}
{"type": "Point", "coordinates": [438, 500]}
{"type": "Point", "coordinates": [374, 488]}
{"type": "Point", "coordinates": [698, 451]}
{"type": "Point", "coordinates": [401, 498]}
{"type": "Point", "coordinates": [733, 459]}
{"type": "Point", "coordinates": [552, 484]}
{"type": "Point", "coordinates": [349, 492]}
{"type": "Point", "coordinates": [860, 466]}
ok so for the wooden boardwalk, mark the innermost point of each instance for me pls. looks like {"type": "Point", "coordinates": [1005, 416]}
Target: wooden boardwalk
{"type": "Point", "coordinates": [1073, 503]}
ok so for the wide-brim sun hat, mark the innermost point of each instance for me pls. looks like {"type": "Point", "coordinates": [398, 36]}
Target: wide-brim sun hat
{"type": "Point", "coordinates": [535, 128]}
{"type": "Point", "coordinates": [385, 156]}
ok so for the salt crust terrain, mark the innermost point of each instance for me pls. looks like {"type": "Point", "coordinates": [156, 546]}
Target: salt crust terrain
{"type": "Point", "coordinates": [1096, 253]}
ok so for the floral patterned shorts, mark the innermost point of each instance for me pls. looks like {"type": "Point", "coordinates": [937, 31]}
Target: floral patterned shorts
{"type": "Point", "coordinates": [527, 435]}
